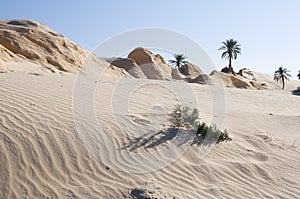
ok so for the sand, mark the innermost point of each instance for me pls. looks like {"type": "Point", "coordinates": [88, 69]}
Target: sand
{"type": "Point", "coordinates": [43, 153]}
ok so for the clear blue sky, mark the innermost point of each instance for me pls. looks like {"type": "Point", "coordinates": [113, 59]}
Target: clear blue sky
{"type": "Point", "coordinates": [268, 30]}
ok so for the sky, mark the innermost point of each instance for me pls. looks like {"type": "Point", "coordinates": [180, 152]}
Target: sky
{"type": "Point", "coordinates": [268, 30]}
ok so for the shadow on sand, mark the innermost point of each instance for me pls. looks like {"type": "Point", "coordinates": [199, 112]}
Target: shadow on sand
{"type": "Point", "coordinates": [179, 137]}
{"type": "Point", "coordinates": [296, 92]}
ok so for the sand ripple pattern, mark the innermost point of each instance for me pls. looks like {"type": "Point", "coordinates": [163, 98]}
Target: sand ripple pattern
{"type": "Point", "coordinates": [42, 156]}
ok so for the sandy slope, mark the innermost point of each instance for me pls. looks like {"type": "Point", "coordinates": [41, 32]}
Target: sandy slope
{"type": "Point", "coordinates": [42, 155]}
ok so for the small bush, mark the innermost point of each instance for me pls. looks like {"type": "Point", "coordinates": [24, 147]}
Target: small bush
{"type": "Point", "coordinates": [188, 118]}
{"type": "Point", "coordinates": [212, 133]}
{"type": "Point", "coordinates": [185, 117]}
{"type": "Point", "coordinates": [176, 116]}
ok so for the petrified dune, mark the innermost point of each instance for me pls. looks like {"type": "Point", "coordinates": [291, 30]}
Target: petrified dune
{"type": "Point", "coordinates": [25, 40]}
{"type": "Point", "coordinates": [251, 80]}
{"type": "Point", "coordinates": [153, 66]}
{"type": "Point", "coordinates": [143, 64]}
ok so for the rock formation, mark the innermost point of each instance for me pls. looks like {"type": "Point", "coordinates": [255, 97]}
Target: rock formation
{"type": "Point", "coordinates": [129, 65]}
{"type": "Point", "coordinates": [190, 70]}
{"type": "Point", "coordinates": [153, 66]}
{"type": "Point", "coordinates": [26, 40]}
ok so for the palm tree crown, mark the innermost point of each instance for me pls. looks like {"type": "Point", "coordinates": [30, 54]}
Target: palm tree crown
{"type": "Point", "coordinates": [179, 60]}
{"type": "Point", "coordinates": [281, 75]}
{"type": "Point", "coordinates": [231, 50]}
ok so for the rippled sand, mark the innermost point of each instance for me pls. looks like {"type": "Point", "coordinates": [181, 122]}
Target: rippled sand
{"type": "Point", "coordinates": [44, 154]}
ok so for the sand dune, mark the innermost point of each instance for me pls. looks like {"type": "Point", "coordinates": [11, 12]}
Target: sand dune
{"type": "Point", "coordinates": [42, 155]}
{"type": "Point", "coordinates": [81, 127]}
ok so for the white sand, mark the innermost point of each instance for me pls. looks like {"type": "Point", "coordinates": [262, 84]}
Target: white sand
{"type": "Point", "coordinates": [42, 155]}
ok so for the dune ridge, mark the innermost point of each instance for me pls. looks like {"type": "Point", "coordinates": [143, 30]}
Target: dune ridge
{"type": "Point", "coordinates": [42, 155]}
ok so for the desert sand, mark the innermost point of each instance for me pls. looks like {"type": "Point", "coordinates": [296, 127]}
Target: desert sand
{"type": "Point", "coordinates": [44, 123]}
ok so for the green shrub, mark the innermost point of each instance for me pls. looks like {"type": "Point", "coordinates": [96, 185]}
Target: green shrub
{"type": "Point", "coordinates": [212, 133]}
{"type": "Point", "coordinates": [185, 117]}
{"type": "Point", "coordinates": [176, 116]}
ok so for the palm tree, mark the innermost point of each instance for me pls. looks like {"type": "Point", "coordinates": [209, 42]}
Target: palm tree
{"type": "Point", "coordinates": [231, 49]}
{"type": "Point", "coordinates": [179, 60]}
{"type": "Point", "coordinates": [281, 75]}
{"type": "Point", "coordinates": [299, 75]}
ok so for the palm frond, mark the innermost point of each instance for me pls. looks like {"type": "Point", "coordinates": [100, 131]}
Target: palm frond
{"type": "Point", "coordinates": [172, 61]}
{"type": "Point", "coordinates": [231, 49]}
{"type": "Point", "coordinates": [222, 48]}
{"type": "Point", "coordinates": [224, 55]}
{"type": "Point", "coordinates": [277, 79]}
{"type": "Point", "coordinates": [281, 73]}
{"type": "Point", "coordinates": [179, 60]}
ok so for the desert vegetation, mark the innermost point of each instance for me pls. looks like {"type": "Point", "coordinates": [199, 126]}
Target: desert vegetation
{"type": "Point", "coordinates": [230, 49]}
{"type": "Point", "coordinates": [187, 118]}
{"type": "Point", "coordinates": [282, 75]}
{"type": "Point", "coordinates": [212, 133]}
{"type": "Point", "coordinates": [179, 60]}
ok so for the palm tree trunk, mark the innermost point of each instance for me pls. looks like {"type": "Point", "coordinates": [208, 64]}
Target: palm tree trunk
{"type": "Point", "coordinates": [230, 67]}
{"type": "Point", "coordinates": [283, 83]}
